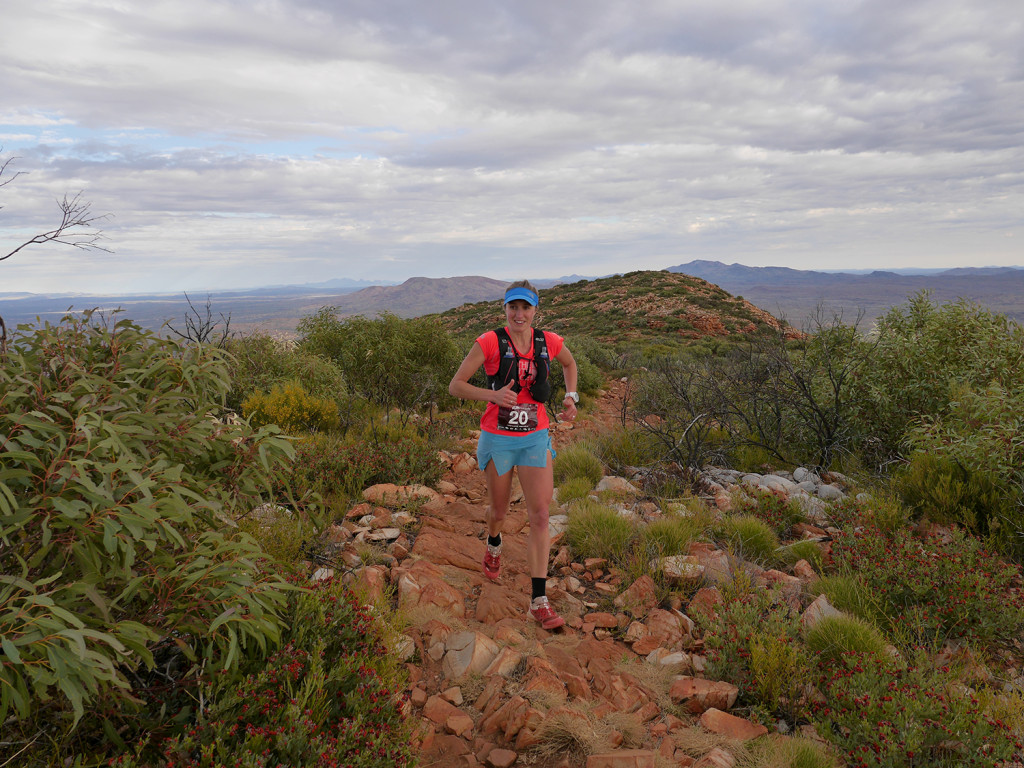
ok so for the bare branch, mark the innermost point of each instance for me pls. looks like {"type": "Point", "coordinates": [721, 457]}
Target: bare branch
{"type": "Point", "coordinates": [76, 216]}
{"type": "Point", "coordinates": [201, 328]}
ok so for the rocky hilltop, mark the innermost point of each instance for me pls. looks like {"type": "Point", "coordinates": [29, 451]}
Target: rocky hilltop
{"type": "Point", "coordinates": [637, 305]}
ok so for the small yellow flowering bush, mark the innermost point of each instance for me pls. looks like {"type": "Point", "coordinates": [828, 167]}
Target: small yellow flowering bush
{"type": "Point", "coordinates": [290, 407]}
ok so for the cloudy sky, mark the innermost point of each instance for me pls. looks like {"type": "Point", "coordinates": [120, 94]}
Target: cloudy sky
{"type": "Point", "coordinates": [249, 142]}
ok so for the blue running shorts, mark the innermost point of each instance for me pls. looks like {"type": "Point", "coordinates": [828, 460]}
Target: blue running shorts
{"type": "Point", "coordinates": [507, 451]}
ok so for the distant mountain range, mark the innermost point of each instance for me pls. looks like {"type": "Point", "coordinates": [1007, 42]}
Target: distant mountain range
{"type": "Point", "coordinates": [795, 293]}
{"type": "Point", "coordinates": [792, 294]}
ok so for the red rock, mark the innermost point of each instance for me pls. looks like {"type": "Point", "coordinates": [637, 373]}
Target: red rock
{"type": "Point", "coordinates": [599, 649]}
{"type": "Point", "coordinates": [548, 683]}
{"type": "Point", "coordinates": [501, 716]}
{"type": "Point", "coordinates": [423, 584]}
{"type": "Point", "coordinates": [731, 726]}
{"type": "Point", "coordinates": [577, 687]}
{"type": "Point", "coordinates": [668, 628]}
{"type": "Point", "coordinates": [504, 663]}
{"type": "Point", "coordinates": [717, 567]}
{"type": "Point", "coordinates": [445, 749]}
{"type": "Point", "coordinates": [674, 723]}
{"type": "Point", "coordinates": [696, 695]}
{"type": "Point", "coordinates": [646, 645]}
{"type": "Point", "coordinates": [648, 712]}
{"type": "Point", "coordinates": [437, 710]}
{"type": "Point", "coordinates": [490, 698]}
{"type": "Point", "coordinates": [716, 758]}
{"type": "Point", "coordinates": [804, 570]}
{"type": "Point", "coordinates": [453, 696]}
{"type": "Point", "coordinates": [500, 758]}
{"type": "Point", "coordinates": [624, 758]}
{"type": "Point", "coordinates": [371, 581]}
{"type": "Point", "coordinates": [594, 563]}
{"type": "Point", "coordinates": [496, 603]}
{"type": "Point", "coordinates": [463, 463]}
{"type": "Point", "coordinates": [467, 653]}
{"type": "Point", "coordinates": [564, 661]}
{"type": "Point", "coordinates": [705, 600]}
{"type": "Point", "coordinates": [790, 584]}
{"type": "Point", "coordinates": [818, 610]}
{"type": "Point", "coordinates": [639, 598]}
{"type": "Point", "coordinates": [418, 697]}
{"type": "Point", "coordinates": [526, 738]}
{"type": "Point", "coordinates": [389, 494]}
{"type": "Point", "coordinates": [667, 749]}
{"type": "Point", "coordinates": [603, 620]}
{"type": "Point", "coordinates": [805, 530]}
{"type": "Point", "coordinates": [460, 724]}
{"type": "Point", "coordinates": [358, 511]}
{"type": "Point", "coordinates": [442, 548]}
{"type": "Point", "coordinates": [635, 631]}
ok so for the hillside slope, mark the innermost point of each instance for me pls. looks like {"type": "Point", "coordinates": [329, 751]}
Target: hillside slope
{"type": "Point", "coordinates": [638, 306]}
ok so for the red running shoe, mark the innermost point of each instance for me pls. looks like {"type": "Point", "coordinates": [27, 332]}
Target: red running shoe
{"type": "Point", "coordinates": [492, 562]}
{"type": "Point", "coordinates": [542, 611]}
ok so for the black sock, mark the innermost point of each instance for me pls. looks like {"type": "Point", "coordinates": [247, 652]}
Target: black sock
{"type": "Point", "coordinates": [539, 587]}
{"type": "Point", "coordinates": [494, 541]}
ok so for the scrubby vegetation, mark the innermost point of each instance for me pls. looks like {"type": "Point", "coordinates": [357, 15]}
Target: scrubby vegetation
{"type": "Point", "coordinates": [137, 600]}
{"type": "Point", "coordinates": [158, 499]}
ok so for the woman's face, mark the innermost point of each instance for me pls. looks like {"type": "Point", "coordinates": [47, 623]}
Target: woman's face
{"type": "Point", "coordinates": [519, 315]}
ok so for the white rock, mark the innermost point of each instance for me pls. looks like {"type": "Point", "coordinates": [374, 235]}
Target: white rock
{"type": "Point", "coordinates": [830, 493]}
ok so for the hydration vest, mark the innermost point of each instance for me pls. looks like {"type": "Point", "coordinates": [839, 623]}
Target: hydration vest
{"type": "Point", "coordinates": [508, 365]}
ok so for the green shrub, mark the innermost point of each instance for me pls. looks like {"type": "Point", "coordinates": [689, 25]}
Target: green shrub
{"type": "Point", "coordinates": [622, 449]}
{"type": "Point", "coordinates": [588, 375]}
{"type": "Point", "coordinates": [333, 465]}
{"type": "Point", "coordinates": [779, 514]}
{"type": "Point", "coordinates": [833, 637]}
{"type": "Point", "coordinates": [574, 489]}
{"type": "Point", "coordinates": [847, 593]}
{"type": "Point", "coordinates": [891, 715]}
{"type": "Point", "coordinates": [116, 502]}
{"type": "Point", "coordinates": [329, 696]}
{"type": "Point", "coordinates": [577, 460]}
{"type": "Point", "coordinates": [669, 535]}
{"type": "Point", "coordinates": [803, 550]}
{"type": "Point", "coordinates": [779, 666]}
{"type": "Point", "coordinates": [925, 347]}
{"type": "Point", "coordinates": [942, 490]}
{"type": "Point", "coordinates": [932, 589]}
{"type": "Point", "coordinates": [393, 363]}
{"type": "Point", "coordinates": [751, 617]}
{"type": "Point", "coordinates": [601, 355]}
{"type": "Point", "coordinates": [291, 408]}
{"type": "Point", "coordinates": [597, 531]}
{"type": "Point", "coordinates": [749, 537]}
{"type": "Point", "coordinates": [257, 363]}
{"type": "Point", "coordinates": [979, 435]}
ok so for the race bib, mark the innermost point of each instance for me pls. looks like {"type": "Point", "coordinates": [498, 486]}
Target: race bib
{"type": "Point", "coordinates": [518, 418]}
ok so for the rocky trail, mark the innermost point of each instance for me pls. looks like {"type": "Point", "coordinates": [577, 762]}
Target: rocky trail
{"type": "Point", "coordinates": [623, 680]}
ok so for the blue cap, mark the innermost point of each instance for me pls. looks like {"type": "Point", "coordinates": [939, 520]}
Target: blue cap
{"type": "Point", "coordinates": [522, 293]}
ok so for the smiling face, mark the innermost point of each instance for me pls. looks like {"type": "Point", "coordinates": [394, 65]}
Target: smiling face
{"type": "Point", "coordinates": [519, 315]}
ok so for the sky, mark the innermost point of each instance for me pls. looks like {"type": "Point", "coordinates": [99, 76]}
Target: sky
{"type": "Point", "coordinates": [240, 143]}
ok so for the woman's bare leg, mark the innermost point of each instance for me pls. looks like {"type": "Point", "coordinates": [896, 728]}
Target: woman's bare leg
{"type": "Point", "coordinates": [538, 488]}
{"type": "Point", "coordinates": [499, 493]}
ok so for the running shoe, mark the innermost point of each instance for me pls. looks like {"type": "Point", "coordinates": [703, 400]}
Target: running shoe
{"type": "Point", "coordinates": [542, 611]}
{"type": "Point", "coordinates": [492, 561]}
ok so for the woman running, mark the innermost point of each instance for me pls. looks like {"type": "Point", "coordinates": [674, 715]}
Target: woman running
{"type": "Point", "coordinates": [514, 430]}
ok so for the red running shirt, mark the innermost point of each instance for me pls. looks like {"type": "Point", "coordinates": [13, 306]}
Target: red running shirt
{"type": "Point", "coordinates": [527, 372]}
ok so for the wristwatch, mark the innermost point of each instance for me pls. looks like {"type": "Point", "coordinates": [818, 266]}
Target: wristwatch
{"type": "Point", "coordinates": [575, 397]}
